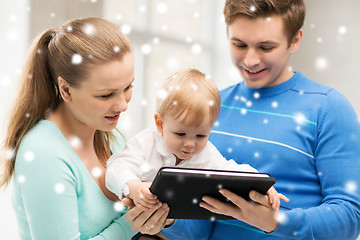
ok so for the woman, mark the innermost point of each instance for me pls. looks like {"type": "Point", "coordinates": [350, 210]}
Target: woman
{"type": "Point", "coordinates": [76, 82]}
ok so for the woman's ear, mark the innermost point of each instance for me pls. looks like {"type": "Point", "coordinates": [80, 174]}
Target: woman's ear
{"type": "Point", "coordinates": [158, 122]}
{"type": "Point", "coordinates": [295, 43]}
{"type": "Point", "coordinates": [64, 88]}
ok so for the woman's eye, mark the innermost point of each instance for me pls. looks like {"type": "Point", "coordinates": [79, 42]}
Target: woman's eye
{"type": "Point", "coordinates": [200, 136]}
{"type": "Point", "coordinates": [180, 134]}
{"type": "Point", "coordinates": [106, 96]}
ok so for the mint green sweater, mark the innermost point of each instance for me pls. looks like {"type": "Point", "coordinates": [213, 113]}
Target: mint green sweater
{"type": "Point", "coordinates": [55, 196]}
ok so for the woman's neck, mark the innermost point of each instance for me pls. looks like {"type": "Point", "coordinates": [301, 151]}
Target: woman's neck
{"type": "Point", "coordinates": [71, 128]}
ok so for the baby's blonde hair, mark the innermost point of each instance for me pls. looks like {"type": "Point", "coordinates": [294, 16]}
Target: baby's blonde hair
{"type": "Point", "coordinates": [189, 95]}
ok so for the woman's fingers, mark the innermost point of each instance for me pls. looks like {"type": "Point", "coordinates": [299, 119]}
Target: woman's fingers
{"type": "Point", "coordinates": [150, 222]}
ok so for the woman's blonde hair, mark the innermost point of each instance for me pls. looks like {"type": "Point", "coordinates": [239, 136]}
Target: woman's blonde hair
{"type": "Point", "coordinates": [69, 52]}
{"type": "Point", "coordinates": [189, 95]}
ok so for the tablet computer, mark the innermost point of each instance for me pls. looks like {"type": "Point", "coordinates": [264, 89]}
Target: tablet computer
{"type": "Point", "coordinates": [183, 188]}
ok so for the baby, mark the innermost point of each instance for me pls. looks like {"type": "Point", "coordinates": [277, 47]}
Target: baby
{"type": "Point", "coordinates": [187, 107]}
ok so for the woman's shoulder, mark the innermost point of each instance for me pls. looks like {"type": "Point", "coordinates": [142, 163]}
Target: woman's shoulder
{"type": "Point", "coordinates": [43, 142]}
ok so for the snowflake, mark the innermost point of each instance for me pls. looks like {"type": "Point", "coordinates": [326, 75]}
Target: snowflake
{"type": "Point", "coordinates": [144, 103]}
{"type": "Point", "coordinates": [281, 218]}
{"type": "Point", "coordinates": [256, 95]}
{"type": "Point", "coordinates": [266, 121]}
{"type": "Point", "coordinates": [76, 59]}
{"type": "Point", "coordinates": [142, 8]}
{"type": "Point", "coordinates": [75, 142]}
{"type": "Point", "coordinates": [300, 118]}
{"type": "Point", "coordinates": [96, 172]}
{"type": "Point", "coordinates": [252, 8]}
{"type": "Point", "coordinates": [188, 39]}
{"type": "Point", "coordinates": [126, 29]}
{"type": "Point", "coordinates": [116, 49]}
{"type": "Point", "coordinates": [162, 8]}
{"type": "Point", "coordinates": [162, 94]}
{"type": "Point", "coordinates": [256, 154]}
{"type": "Point", "coordinates": [89, 29]}
{"type": "Point", "coordinates": [164, 27]}
{"type": "Point", "coordinates": [351, 186]}
{"type": "Point", "coordinates": [27, 115]}
{"type": "Point", "coordinates": [145, 167]}
{"type": "Point", "coordinates": [69, 28]}
{"type": "Point", "coordinates": [211, 103]}
{"type": "Point", "coordinates": [321, 63]}
{"type": "Point", "coordinates": [195, 201]}
{"type": "Point", "coordinates": [196, 49]}
{"type": "Point", "coordinates": [194, 86]}
{"type": "Point", "coordinates": [29, 156]}
{"type": "Point", "coordinates": [169, 194]}
{"type": "Point", "coordinates": [274, 104]}
{"type": "Point", "coordinates": [146, 49]}
{"type": "Point", "coordinates": [156, 40]}
{"type": "Point", "coordinates": [59, 188]}
{"type": "Point", "coordinates": [243, 111]}
{"type": "Point", "coordinates": [119, 206]}
{"type": "Point", "coordinates": [9, 153]}
{"type": "Point", "coordinates": [220, 186]}
{"type": "Point", "coordinates": [248, 103]}
{"type": "Point", "coordinates": [119, 17]}
{"type": "Point", "coordinates": [213, 218]}
{"type": "Point", "coordinates": [342, 30]}
{"type": "Point", "coordinates": [21, 179]}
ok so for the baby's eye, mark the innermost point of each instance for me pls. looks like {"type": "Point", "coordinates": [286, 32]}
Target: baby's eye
{"type": "Point", "coordinates": [200, 136]}
{"type": "Point", "coordinates": [180, 134]}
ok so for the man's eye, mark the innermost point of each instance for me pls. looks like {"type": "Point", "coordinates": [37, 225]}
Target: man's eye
{"type": "Point", "coordinates": [200, 136]}
{"type": "Point", "coordinates": [239, 45]}
{"type": "Point", "coordinates": [267, 48]}
{"type": "Point", "coordinates": [180, 134]}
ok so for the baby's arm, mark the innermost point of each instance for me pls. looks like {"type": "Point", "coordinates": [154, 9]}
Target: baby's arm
{"type": "Point", "coordinates": [275, 197]}
{"type": "Point", "coordinates": [140, 193]}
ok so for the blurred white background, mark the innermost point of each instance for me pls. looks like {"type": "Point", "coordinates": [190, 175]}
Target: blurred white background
{"type": "Point", "coordinates": [169, 35]}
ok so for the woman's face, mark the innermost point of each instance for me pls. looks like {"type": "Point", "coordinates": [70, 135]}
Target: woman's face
{"type": "Point", "coordinates": [105, 94]}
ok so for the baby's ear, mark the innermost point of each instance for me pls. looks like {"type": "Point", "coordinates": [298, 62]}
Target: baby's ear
{"type": "Point", "coordinates": [158, 122]}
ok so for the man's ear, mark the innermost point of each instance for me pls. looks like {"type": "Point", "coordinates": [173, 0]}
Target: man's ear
{"type": "Point", "coordinates": [64, 88]}
{"type": "Point", "coordinates": [158, 122]}
{"type": "Point", "coordinates": [295, 43]}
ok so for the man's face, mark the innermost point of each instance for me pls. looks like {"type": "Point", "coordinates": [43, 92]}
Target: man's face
{"type": "Point", "coordinates": [260, 50]}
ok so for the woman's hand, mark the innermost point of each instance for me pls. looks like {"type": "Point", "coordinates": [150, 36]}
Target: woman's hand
{"type": "Point", "coordinates": [150, 221]}
{"type": "Point", "coordinates": [259, 213]}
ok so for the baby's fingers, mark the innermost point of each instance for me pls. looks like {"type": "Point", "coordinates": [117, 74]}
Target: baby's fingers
{"type": "Point", "coordinates": [283, 197]}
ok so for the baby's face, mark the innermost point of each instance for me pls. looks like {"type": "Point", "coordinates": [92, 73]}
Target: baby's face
{"type": "Point", "coordinates": [185, 141]}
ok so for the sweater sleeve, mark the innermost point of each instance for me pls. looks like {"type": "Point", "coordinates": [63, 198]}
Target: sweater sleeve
{"type": "Point", "coordinates": [47, 188]}
{"type": "Point", "coordinates": [118, 229]}
{"type": "Point", "coordinates": [337, 159]}
{"type": "Point", "coordinates": [46, 183]}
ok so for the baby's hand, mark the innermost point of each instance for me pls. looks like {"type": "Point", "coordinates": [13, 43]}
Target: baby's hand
{"type": "Point", "coordinates": [275, 197]}
{"type": "Point", "coordinates": [140, 193]}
